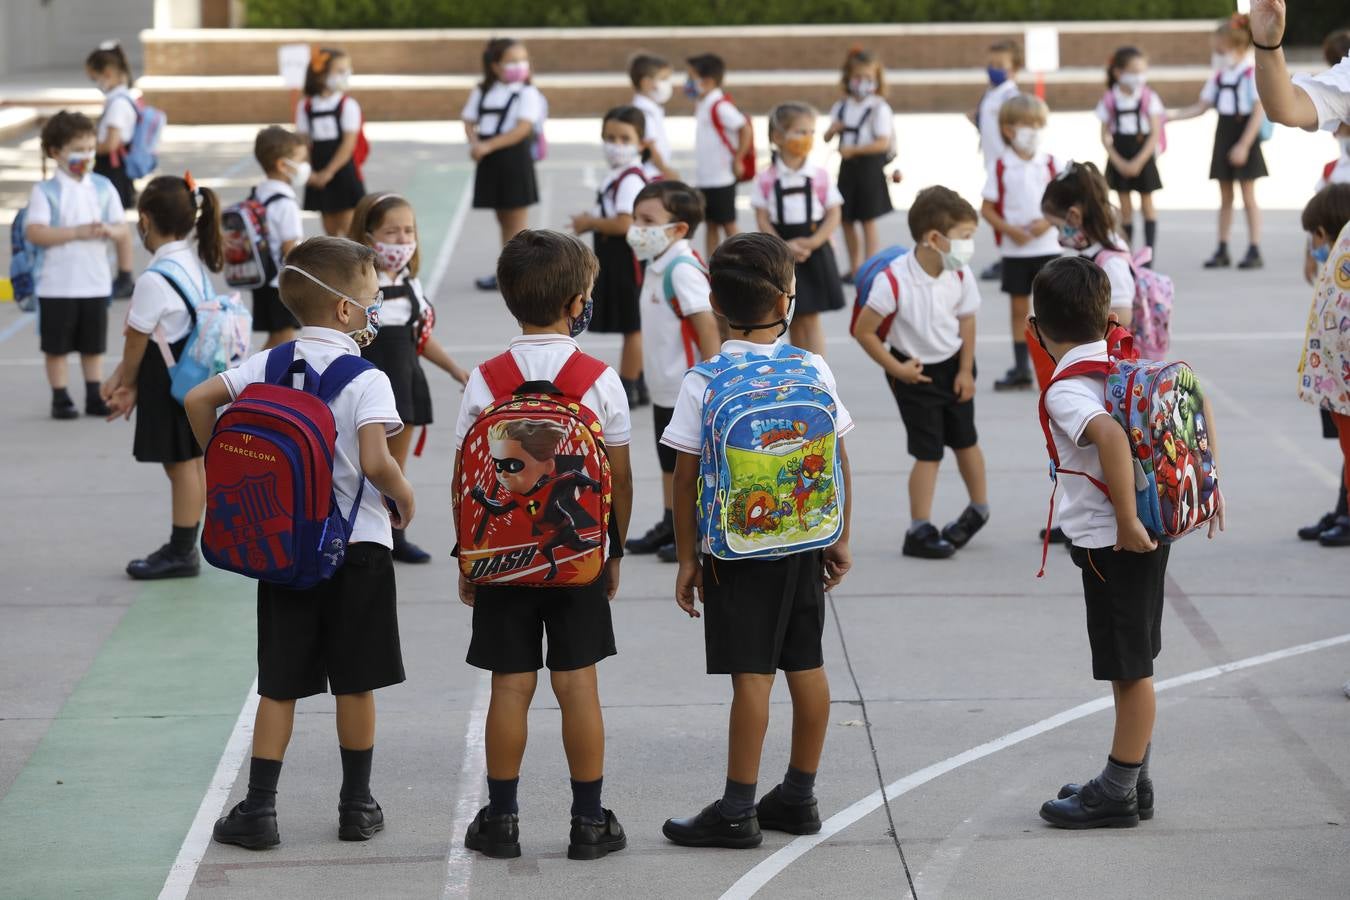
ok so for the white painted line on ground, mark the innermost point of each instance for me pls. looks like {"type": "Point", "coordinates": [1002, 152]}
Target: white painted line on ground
{"type": "Point", "coordinates": [472, 772]}
{"type": "Point", "coordinates": [1292, 449]}
{"type": "Point", "coordinates": [193, 849]}
{"type": "Point", "coordinates": [751, 882]}
{"type": "Point", "coordinates": [447, 250]}
{"type": "Point", "coordinates": [19, 324]}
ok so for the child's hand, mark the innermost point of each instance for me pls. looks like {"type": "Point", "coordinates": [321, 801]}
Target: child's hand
{"type": "Point", "coordinates": [478, 150]}
{"type": "Point", "coordinates": [612, 578]}
{"type": "Point", "coordinates": [582, 223]}
{"type": "Point", "coordinates": [1019, 236]}
{"type": "Point", "coordinates": [964, 386]}
{"type": "Point", "coordinates": [801, 249]}
{"type": "Point", "coordinates": [896, 176]}
{"type": "Point", "coordinates": [121, 403]}
{"type": "Point", "coordinates": [1267, 21]}
{"type": "Point", "coordinates": [90, 231]}
{"type": "Point", "coordinates": [459, 373]}
{"type": "Point", "coordinates": [689, 587]}
{"type": "Point", "coordinates": [1038, 228]}
{"type": "Point", "coordinates": [1217, 523]}
{"type": "Point", "coordinates": [402, 506]}
{"type": "Point", "coordinates": [1238, 155]}
{"type": "Point", "coordinates": [837, 561]}
{"type": "Point", "coordinates": [1131, 535]}
{"type": "Point", "coordinates": [911, 372]}
{"type": "Point", "coordinates": [466, 590]}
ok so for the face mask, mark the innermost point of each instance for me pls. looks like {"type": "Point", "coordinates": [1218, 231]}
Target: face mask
{"type": "Point", "coordinates": [1322, 254]}
{"type": "Point", "coordinates": [394, 257]}
{"type": "Point", "coordinates": [1071, 237]}
{"type": "Point", "coordinates": [800, 145]}
{"type": "Point", "coordinates": [78, 163]}
{"type": "Point", "coordinates": [619, 155]}
{"type": "Point", "coordinates": [1026, 139]}
{"type": "Point", "coordinates": [862, 87]}
{"type": "Point", "coordinates": [338, 81]}
{"type": "Point", "coordinates": [300, 172]}
{"type": "Point", "coordinates": [996, 75]}
{"type": "Point", "coordinates": [661, 92]}
{"type": "Point", "coordinates": [515, 72]}
{"type": "Point", "coordinates": [144, 233]}
{"type": "Point", "coordinates": [363, 337]}
{"type": "Point", "coordinates": [959, 256]}
{"type": "Point", "coordinates": [782, 323]}
{"type": "Point", "coordinates": [1131, 81]}
{"type": "Point", "coordinates": [649, 241]}
{"type": "Point", "coordinates": [691, 88]}
{"type": "Point", "coordinates": [1224, 60]}
{"type": "Point", "coordinates": [577, 327]}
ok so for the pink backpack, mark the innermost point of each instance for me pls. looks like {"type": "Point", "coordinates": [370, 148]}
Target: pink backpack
{"type": "Point", "coordinates": [1151, 316]}
{"type": "Point", "coordinates": [1145, 101]}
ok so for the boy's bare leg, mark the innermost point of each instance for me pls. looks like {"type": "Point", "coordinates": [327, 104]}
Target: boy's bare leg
{"type": "Point", "coordinates": [922, 486]}
{"type": "Point", "coordinates": [871, 239]}
{"type": "Point", "coordinates": [583, 724]}
{"type": "Point", "coordinates": [508, 723]}
{"type": "Point", "coordinates": [810, 691]}
{"type": "Point", "coordinates": [970, 462]}
{"type": "Point", "coordinates": [630, 357]}
{"type": "Point", "coordinates": [1136, 708]}
{"type": "Point", "coordinates": [807, 332]}
{"type": "Point", "coordinates": [356, 720]}
{"type": "Point", "coordinates": [187, 490]}
{"type": "Point", "coordinates": [851, 241]}
{"type": "Point", "coordinates": [748, 725]}
{"type": "Point", "coordinates": [272, 726]}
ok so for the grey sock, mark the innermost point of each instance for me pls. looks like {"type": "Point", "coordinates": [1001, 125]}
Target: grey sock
{"type": "Point", "coordinates": [738, 800]}
{"type": "Point", "coordinates": [982, 509]}
{"type": "Point", "coordinates": [798, 787]}
{"type": "Point", "coordinates": [1118, 779]}
{"type": "Point", "coordinates": [1143, 766]}
{"type": "Point", "coordinates": [916, 524]}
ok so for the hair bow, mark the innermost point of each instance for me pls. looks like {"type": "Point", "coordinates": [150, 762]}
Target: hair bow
{"type": "Point", "coordinates": [318, 58]}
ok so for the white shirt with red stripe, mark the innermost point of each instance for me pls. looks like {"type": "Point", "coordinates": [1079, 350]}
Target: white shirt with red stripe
{"type": "Point", "coordinates": [1085, 513]}
{"type": "Point", "coordinates": [1016, 185]}
{"type": "Point", "coordinates": [714, 161]}
{"type": "Point", "coordinates": [669, 343]}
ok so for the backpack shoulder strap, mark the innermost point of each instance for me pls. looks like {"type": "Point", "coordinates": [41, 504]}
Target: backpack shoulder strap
{"type": "Point", "coordinates": [999, 168]}
{"type": "Point", "coordinates": [502, 375]}
{"type": "Point", "coordinates": [51, 189]}
{"type": "Point", "coordinates": [270, 200]}
{"type": "Point", "coordinates": [613, 189]}
{"type": "Point", "coordinates": [668, 280]}
{"type": "Point", "coordinates": [578, 374]}
{"type": "Point", "coordinates": [1050, 163]}
{"type": "Point", "coordinates": [178, 288]}
{"type": "Point", "coordinates": [717, 124]}
{"type": "Point", "coordinates": [1086, 367]}
{"type": "Point", "coordinates": [894, 283]}
{"type": "Point", "coordinates": [279, 360]}
{"type": "Point", "coordinates": [821, 184]}
{"type": "Point", "coordinates": [340, 373]}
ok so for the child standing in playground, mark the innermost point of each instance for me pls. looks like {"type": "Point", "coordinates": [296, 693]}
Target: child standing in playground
{"type": "Point", "coordinates": [332, 121]}
{"type": "Point", "coordinates": [864, 124]}
{"type": "Point", "coordinates": [1132, 126]}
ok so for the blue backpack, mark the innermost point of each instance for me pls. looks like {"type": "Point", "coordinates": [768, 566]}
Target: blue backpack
{"type": "Point", "coordinates": [867, 273]}
{"type": "Point", "coordinates": [140, 154]}
{"type": "Point", "coordinates": [770, 483]}
{"type": "Point", "coordinates": [221, 329]}
{"type": "Point", "coordinates": [25, 257]}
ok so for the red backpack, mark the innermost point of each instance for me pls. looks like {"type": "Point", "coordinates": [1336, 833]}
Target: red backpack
{"type": "Point", "coordinates": [744, 166]}
{"type": "Point", "coordinates": [532, 492]}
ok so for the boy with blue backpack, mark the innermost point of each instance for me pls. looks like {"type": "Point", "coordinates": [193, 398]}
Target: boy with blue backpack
{"type": "Point", "coordinates": [288, 504]}
{"type": "Point", "coordinates": [762, 493]}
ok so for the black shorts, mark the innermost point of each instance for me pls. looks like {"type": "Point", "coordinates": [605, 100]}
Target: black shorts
{"type": "Point", "coordinates": [73, 325]}
{"type": "Point", "coordinates": [932, 415]}
{"type": "Point", "coordinates": [269, 313]}
{"type": "Point", "coordinates": [341, 634]}
{"type": "Point", "coordinates": [762, 615]}
{"type": "Point", "coordinates": [719, 204]}
{"type": "Point", "coordinates": [1123, 592]}
{"type": "Point", "coordinates": [660, 419]}
{"type": "Point", "coordinates": [509, 622]}
{"type": "Point", "coordinates": [1020, 271]}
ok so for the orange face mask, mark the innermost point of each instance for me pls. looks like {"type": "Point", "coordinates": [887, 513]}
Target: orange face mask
{"type": "Point", "coordinates": [799, 145]}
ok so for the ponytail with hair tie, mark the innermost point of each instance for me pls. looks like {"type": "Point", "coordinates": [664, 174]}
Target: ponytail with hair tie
{"type": "Point", "coordinates": [195, 191]}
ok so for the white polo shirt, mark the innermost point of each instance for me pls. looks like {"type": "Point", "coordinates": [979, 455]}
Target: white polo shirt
{"type": "Point", "coordinates": [669, 342]}
{"type": "Point", "coordinates": [1117, 271]}
{"type": "Point", "coordinates": [397, 311]}
{"type": "Point", "coordinates": [368, 399]}
{"type": "Point", "coordinates": [991, 136]}
{"type": "Point", "coordinates": [1330, 94]}
{"type": "Point", "coordinates": [325, 128]}
{"type": "Point", "coordinates": [685, 431]}
{"type": "Point", "coordinates": [1238, 102]}
{"type": "Point", "coordinates": [75, 268]}
{"type": "Point", "coordinates": [540, 357]}
{"type": "Point", "coordinates": [528, 105]}
{"type": "Point", "coordinates": [714, 164]}
{"type": "Point", "coordinates": [283, 219]}
{"type": "Point", "coordinates": [1125, 121]}
{"type": "Point", "coordinates": [1024, 183]}
{"type": "Point", "coordinates": [655, 130]}
{"type": "Point", "coordinates": [1085, 513]}
{"type": "Point", "coordinates": [872, 116]}
{"type": "Point", "coordinates": [927, 324]}
{"type": "Point", "coordinates": [795, 205]}
{"type": "Point", "coordinates": [155, 303]}
{"type": "Point", "coordinates": [119, 111]}
{"type": "Point", "coordinates": [618, 199]}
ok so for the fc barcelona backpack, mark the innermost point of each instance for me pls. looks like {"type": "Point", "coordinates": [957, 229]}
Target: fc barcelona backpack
{"type": "Point", "coordinates": [271, 512]}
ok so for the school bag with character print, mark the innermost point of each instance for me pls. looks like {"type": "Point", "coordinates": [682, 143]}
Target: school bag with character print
{"type": "Point", "coordinates": [532, 493]}
{"type": "Point", "coordinates": [770, 482]}
{"type": "Point", "coordinates": [1151, 312]}
{"type": "Point", "coordinates": [1324, 368]}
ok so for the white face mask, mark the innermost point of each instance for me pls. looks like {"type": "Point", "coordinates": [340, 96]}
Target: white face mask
{"type": "Point", "coordinates": [649, 241]}
{"type": "Point", "coordinates": [661, 92]}
{"type": "Point", "coordinates": [619, 155]}
{"type": "Point", "coordinates": [1026, 139]}
{"type": "Point", "coordinates": [338, 81]}
{"type": "Point", "coordinates": [1223, 60]}
{"type": "Point", "coordinates": [394, 257]}
{"type": "Point", "coordinates": [959, 256]}
{"type": "Point", "coordinates": [300, 172]}
{"type": "Point", "coordinates": [1131, 81]}
{"type": "Point", "coordinates": [862, 87]}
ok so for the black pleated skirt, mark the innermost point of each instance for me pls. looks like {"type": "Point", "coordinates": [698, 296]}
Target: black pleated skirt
{"type": "Point", "coordinates": [862, 181]}
{"type": "Point", "coordinates": [616, 287]}
{"type": "Point", "coordinates": [505, 179]}
{"type": "Point", "coordinates": [163, 434]}
{"type": "Point", "coordinates": [818, 286]}
{"type": "Point", "coordinates": [394, 352]}
{"type": "Point", "coordinates": [1226, 134]}
{"type": "Point", "coordinates": [1147, 181]}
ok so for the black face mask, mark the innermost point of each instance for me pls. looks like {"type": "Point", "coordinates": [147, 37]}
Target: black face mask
{"type": "Point", "coordinates": [1040, 340]}
{"type": "Point", "coordinates": [782, 323]}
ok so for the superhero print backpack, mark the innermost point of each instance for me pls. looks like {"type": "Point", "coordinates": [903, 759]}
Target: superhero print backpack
{"type": "Point", "coordinates": [769, 478]}
{"type": "Point", "coordinates": [532, 492]}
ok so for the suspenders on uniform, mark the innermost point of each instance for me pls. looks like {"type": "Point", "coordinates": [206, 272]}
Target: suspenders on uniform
{"type": "Point", "coordinates": [1223, 87]}
{"type": "Point", "coordinates": [779, 192]}
{"type": "Point", "coordinates": [500, 112]}
{"type": "Point", "coordinates": [853, 130]}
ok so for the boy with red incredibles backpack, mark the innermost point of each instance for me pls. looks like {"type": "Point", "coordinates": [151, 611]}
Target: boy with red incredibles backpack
{"type": "Point", "coordinates": [542, 496]}
{"type": "Point", "coordinates": [327, 615]}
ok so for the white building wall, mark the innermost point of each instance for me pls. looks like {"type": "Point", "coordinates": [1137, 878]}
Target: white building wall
{"type": "Point", "coordinates": [52, 34]}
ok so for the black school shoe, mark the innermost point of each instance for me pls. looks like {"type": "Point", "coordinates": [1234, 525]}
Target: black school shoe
{"type": "Point", "coordinates": [94, 406]}
{"type": "Point", "coordinates": [250, 829]}
{"type": "Point", "coordinates": [494, 836]}
{"type": "Point", "coordinates": [164, 563]}
{"type": "Point", "coordinates": [1144, 790]}
{"type": "Point", "coordinates": [1014, 380]}
{"type": "Point", "coordinates": [1314, 531]}
{"type": "Point", "coordinates": [65, 409]}
{"type": "Point", "coordinates": [123, 286]}
{"type": "Point", "coordinates": [1220, 259]}
{"type": "Point", "coordinates": [993, 272]}
{"type": "Point", "coordinates": [927, 543]}
{"type": "Point", "coordinates": [1090, 808]}
{"type": "Point", "coordinates": [712, 829]}
{"type": "Point", "coordinates": [359, 820]}
{"type": "Point", "coordinates": [405, 551]}
{"type": "Point", "coordinates": [1338, 535]}
{"type": "Point", "coordinates": [1252, 260]}
{"type": "Point", "coordinates": [959, 533]}
{"type": "Point", "coordinates": [1057, 536]}
{"type": "Point", "coordinates": [595, 841]}
{"type": "Point", "coordinates": [668, 553]}
{"type": "Point", "coordinates": [486, 283]}
{"type": "Point", "coordinates": [660, 534]}
{"type": "Point", "coordinates": [776, 814]}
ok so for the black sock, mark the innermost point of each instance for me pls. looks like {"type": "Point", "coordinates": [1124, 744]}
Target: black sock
{"type": "Point", "coordinates": [1253, 249]}
{"type": "Point", "coordinates": [61, 397]}
{"type": "Point", "coordinates": [798, 787]}
{"type": "Point", "coordinates": [400, 538]}
{"type": "Point", "coordinates": [502, 796]}
{"type": "Point", "coordinates": [1342, 508]}
{"type": "Point", "coordinates": [91, 392]}
{"type": "Point", "coordinates": [1150, 232]}
{"type": "Point", "coordinates": [1223, 248]}
{"type": "Point", "coordinates": [1021, 358]}
{"type": "Point", "coordinates": [356, 773]}
{"type": "Point", "coordinates": [183, 539]}
{"type": "Point", "coordinates": [262, 783]}
{"type": "Point", "coordinates": [738, 800]}
{"type": "Point", "coordinates": [1128, 228]}
{"type": "Point", "coordinates": [123, 273]}
{"type": "Point", "coordinates": [586, 800]}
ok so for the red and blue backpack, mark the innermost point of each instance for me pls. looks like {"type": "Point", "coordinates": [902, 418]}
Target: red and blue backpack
{"type": "Point", "coordinates": [271, 511]}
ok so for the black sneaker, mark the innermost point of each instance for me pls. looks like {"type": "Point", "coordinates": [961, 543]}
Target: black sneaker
{"type": "Point", "coordinates": [1220, 259]}
{"type": "Point", "coordinates": [926, 543]}
{"type": "Point", "coordinates": [1338, 535]}
{"type": "Point", "coordinates": [494, 836]}
{"type": "Point", "coordinates": [658, 536]}
{"type": "Point", "coordinates": [668, 553]}
{"type": "Point", "coordinates": [776, 814]}
{"type": "Point", "coordinates": [123, 286]}
{"type": "Point", "coordinates": [486, 283]}
{"type": "Point", "coordinates": [712, 829]}
{"type": "Point", "coordinates": [1014, 380]}
{"type": "Point", "coordinates": [1090, 808]}
{"type": "Point", "coordinates": [359, 820]}
{"type": "Point", "coordinates": [644, 395]}
{"type": "Point", "coordinates": [1057, 536]}
{"type": "Point", "coordinates": [959, 533]}
{"type": "Point", "coordinates": [164, 563]}
{"type": "Point", "coordinates": [64, 409]}
{"type": "Point", "coordinates": [1144, 790]}
{"type": "Point", "coordinates": [993, 272]}
{"type": "Point", "coordinates": [1252, 260]}
{"type": "Point", "coordinates": [94, 406]}
{"type": "Point", "coordinates": [592, 841]}
{"type": "Point", "coordinates": [846, 278]}
{"type": "Point", "coordinates": [407, 552]}
{"type": "Point", "coordinates": [1314, 531]}
{"type": "Point", "coordinates": [251, 829]}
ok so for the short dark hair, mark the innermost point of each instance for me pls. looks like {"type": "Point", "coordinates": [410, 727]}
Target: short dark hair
{"type": "Point", "coordinates": [645, 65]}
{"type": "Point", "coordinates": [321, 61]}
{"type": "Point", "coordinates": [1336, 46]}
{"type": "Point", "coordinates": [749, 272]}
{"type": "Point", "coordinates": [677, 198]}
{"type": "Point", "coordinates": [335, 261]}
{"type": "Point", "coordinates": [939, 208]}
{"type": "Point", "coordinates": [540, 271]}
{"type": "Point", "coordinates": [629, 115]}
{"type": "Point", "coordinates": [1329, 210]}
{"type": "Point", "coordinates": [1071, 297]}
{"type": "Point", "coordinates": [273, 144]}
{"type": "Point", "coordinates": [63, 128]}
{"type": "Point", "coordinates": [708, 65]}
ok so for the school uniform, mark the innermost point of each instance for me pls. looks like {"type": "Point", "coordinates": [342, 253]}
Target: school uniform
{"type": "Point", "coordinates": [1129, 118]}
{"type": "Point", "coordinates": [509, 621]}
{"type": "Point", "coordinates": [283, 225]}
{"type": "Point", "coordinates": [759, 615]}
{"type": "Point", "coordinates": [1117, 271]}
{"type": "Point", "coordinates": [1016, 185]}
{"type": "Point", "coordinates": [505, 179]}
{"type": "Point", "coordinates": [120, 111]}
{"type": "Point", "coordinates": [797, 201]}
{"type": "Point", "coordinates": [655, 129]}
{"type": "Point", "coordinates": [1329, 92]}
{"type": "Point", "coordinates": [862, 179]}
{"type": "Point", "coordinates": [1338, 170]}
{"type": "Point", "coordinates": [714, 160]}
{"type": "Point", "coordinates": [341, 634]}
{"type": "Point", "coordinates": [163, 433]}
{"type": "Point", "coordinates": [325, 120]}
{"type": "Point", "coordinates": [620, 278]}
{"type": "Point", "coordinates": [1232, 93]}
{"type": "Point", "coordinates": [75, 278]}
{"type": "Point", "coordinates": [394, 350]}
{"type": "Point", "coordinates": [1122, 591]}
{"type": "Point", "coordinates": [992, 144]}
{"type": "Point", "coordinates": [927, 327]}
{"type": "Point", "coordinates": [669, 342]}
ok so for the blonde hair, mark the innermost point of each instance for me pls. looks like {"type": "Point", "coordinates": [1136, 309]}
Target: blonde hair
{"type": "Point", "coordinates": [1023, 109]}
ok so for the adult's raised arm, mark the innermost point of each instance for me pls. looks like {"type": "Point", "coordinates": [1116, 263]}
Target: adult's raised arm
{"type": "Point", "coordinates": [1306, 101]}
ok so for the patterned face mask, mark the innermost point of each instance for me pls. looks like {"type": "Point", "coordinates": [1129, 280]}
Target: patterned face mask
{"type": "Point", "coordinates": [363, 337]}
{"type": "Point", "coordinates": [394, 257]}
